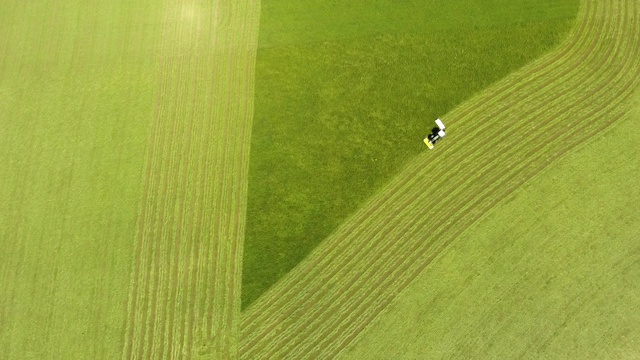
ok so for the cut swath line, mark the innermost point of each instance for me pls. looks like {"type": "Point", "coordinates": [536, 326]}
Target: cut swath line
{"type": "Point", "coordinates": [188, 243]}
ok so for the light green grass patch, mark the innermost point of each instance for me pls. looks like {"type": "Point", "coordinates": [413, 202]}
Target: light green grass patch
{"type": "Point", "coordinates": [77, 84]}
{"type": "Point", "coordinates": [345, 93]}
{"type": "Point", "coordinates": [549, 273]}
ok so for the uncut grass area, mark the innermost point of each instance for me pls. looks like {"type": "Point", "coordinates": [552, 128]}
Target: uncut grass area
{"type": "Point", "coordinates": [346, 93]}
{"type": "Point", "coordinates": [551, 273]}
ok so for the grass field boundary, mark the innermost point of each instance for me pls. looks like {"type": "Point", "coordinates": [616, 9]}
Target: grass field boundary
{"type": "Point", "coordinates": [278, 338]}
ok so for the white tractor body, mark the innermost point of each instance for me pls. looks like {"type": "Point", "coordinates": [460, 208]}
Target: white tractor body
{"type": "Point", "coordinates": [436, 134]}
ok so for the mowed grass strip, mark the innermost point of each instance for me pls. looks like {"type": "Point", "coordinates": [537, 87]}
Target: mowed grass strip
{"type": "Point", "coordinates": [76, 88]}
{"type": "Point", "coordinates": [184, 298]}
{"type": "Point", "coordinates": [496, 151]}
{"type": "Point", "coordinates": [551, 273]}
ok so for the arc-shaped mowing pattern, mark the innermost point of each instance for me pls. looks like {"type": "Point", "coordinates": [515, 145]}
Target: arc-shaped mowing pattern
{"type": "Point", "coordinates": [498, 140]}
{"type": "Point", "coordinates": [184, 298]}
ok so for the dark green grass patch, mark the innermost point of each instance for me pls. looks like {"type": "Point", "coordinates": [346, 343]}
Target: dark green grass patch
{"type": "Point", "coordinates": [345, 94]}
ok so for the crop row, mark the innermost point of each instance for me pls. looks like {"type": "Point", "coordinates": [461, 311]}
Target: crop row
{"type": "Point", "coordinates": [185, 284]}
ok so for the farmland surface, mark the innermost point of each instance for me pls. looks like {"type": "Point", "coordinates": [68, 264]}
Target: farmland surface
{"type": "Point", "coordinates": [125, 129]}
{"type": "Point", "coordinates": [125, 134]}
{"type": "Point", "coordinates": [185, 287]}
{"type": "Point", "coordinates": [77, 85]}
{"type": "Point", "coordinates": [345, 92]}
{"type": "Point", "coordinates": [550, 273]}
{"type": "Point", "coordinates": [503, 137]}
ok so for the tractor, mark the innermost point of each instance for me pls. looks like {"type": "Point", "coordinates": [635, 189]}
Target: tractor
{"type": "Point", "coordinates": [437, 133]}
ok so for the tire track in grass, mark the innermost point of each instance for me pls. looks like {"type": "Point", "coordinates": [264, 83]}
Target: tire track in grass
{"type": "Point", "coordinates": [307, 333]}
{"type": "Point", "coordinates": [386, 195]}
{"type": "Point", "coordinates": [183, 301]}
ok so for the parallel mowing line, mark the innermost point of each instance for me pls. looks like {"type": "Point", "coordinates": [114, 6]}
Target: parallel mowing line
{"type": "Point", "coordinates": [167, 198]}
{"type": "Point", "coordinates": [231, 221]}
{"type": "Point", "coordinates": [386, 195]}
{"type": "Point", "coordinates": [223, 132]}
{"type": "Point", "coordinates": [188, 240]}
{"type": "Point", "coordinates": [209, 172]}
{"type": "Point", "coordinates": [200, 273]}
{"type": "Point", "coordinates": [195, 252]}
{"type": "Point", "coordinates": [172, 261]}
{"type": "Point", "coordinates": [161, 172]}
{"type": "Point", "coordinates": [148, 207]}
{"type": "Point", "coordinates": [218, 305]}
{"type": "Point", "coordinates": [171, 202]}
{"type": "Point", "coordinates": [180, 230]}
{"type": "Point", "coordinates": [231, 218]}
{"type": "Point", "coordinates": [156, 223]}
{"type": "Point", "coordinates": [356, 301]}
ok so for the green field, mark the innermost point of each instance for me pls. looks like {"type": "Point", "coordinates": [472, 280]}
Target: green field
{"type": "Point", "coordinates": [504, 136]}
{"type": "Point", "coordinates": [127, 195]}
{"type": "Point", "coordinates": [346, 92]}
{"type": "Point", "coordinates": [116, 172]}
{"type": "Point", "coordinates": [550, 273]}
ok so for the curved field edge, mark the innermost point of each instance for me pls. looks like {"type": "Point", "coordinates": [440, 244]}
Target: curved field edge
{"type": "Point", "coordinates": [570, 95]}
{"type": "Point", "coordinates": [184, 298]}
{"type": "Point", "coordinates": [549, 273]}
{"type": "Point", "coordinates": [335, 120]}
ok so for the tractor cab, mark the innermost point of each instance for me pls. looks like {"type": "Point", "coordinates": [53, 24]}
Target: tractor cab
{"type": "Point", "coordinates": [437, 133]}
